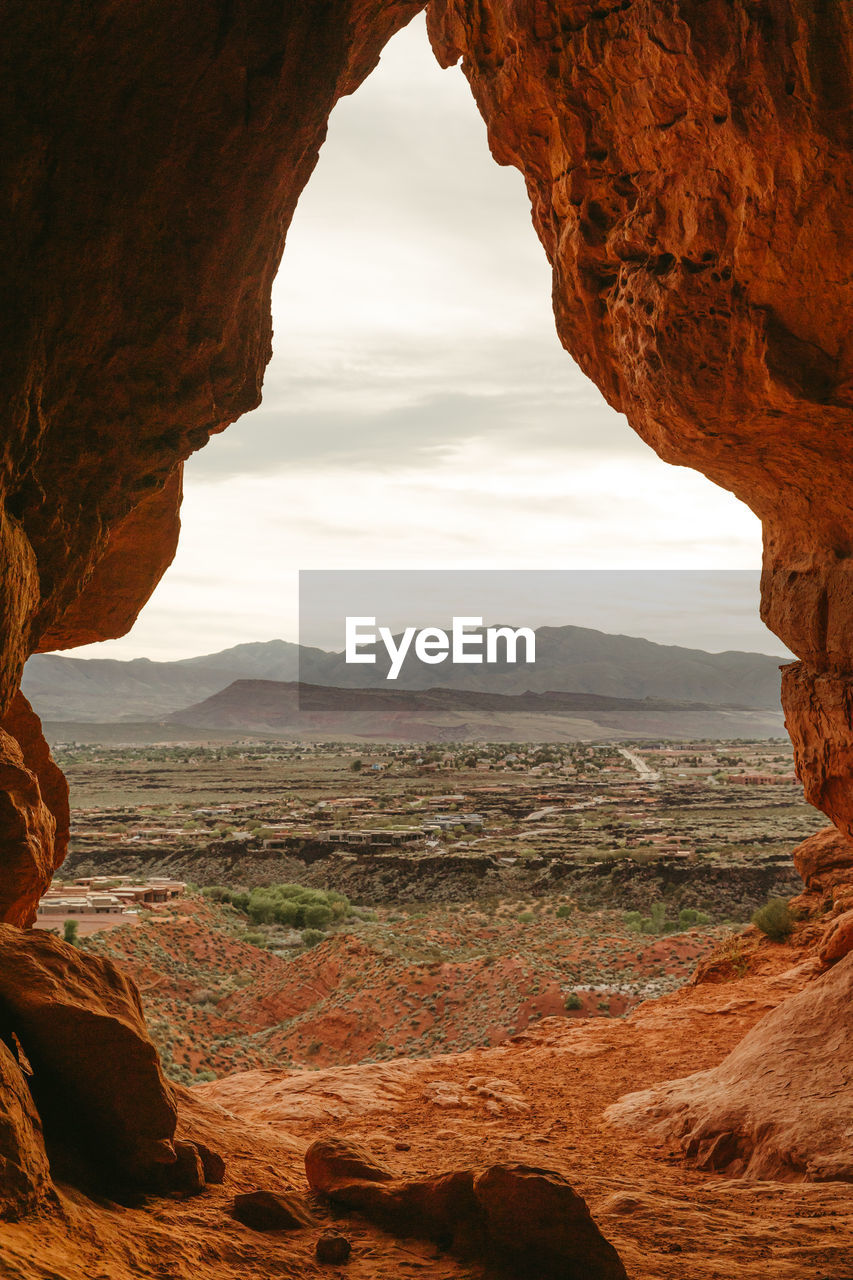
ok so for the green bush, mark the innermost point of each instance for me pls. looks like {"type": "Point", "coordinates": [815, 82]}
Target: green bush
{"type": "Point", "coordinates": [563, 911]}
{"type": "Point", "coordinates": [658, 917]}
{"type": "Point", "coordinates": [70, 931]}
{"type": "Point", "coordinates": [573, 1001]}
{"type": "Point", "coordinates": [291, 905]}
{"type": "Point", "coordinates": [310, 937]}
{"type": "Point", "coordinates": [689, 916]}
{"type": "Point", "coordinates": [774, 919]}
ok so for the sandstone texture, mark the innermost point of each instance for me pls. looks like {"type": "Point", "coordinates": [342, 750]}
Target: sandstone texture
{"type": "Point", "coordinates": [271, 1211]}
{"type": "Point", "coordinates": [24, 1170]}
{"type": "Point", "coordinates": [824, 861]}
{"type": "Point", "coordinates": [34, 813]}
{"type": "Point", "coordinates": [527, 1221]}
{"type": "Point", "coordinates": [152, 162]}
{"type": "Point", "coordinates": [779, 1105]}
{"type": "Point", "coordinates": [96, 1079]}
{"type": "Point", "coordinates": [690, 172]}
{"type": "Point", "coordinates": [667, 1220]}
{"type": "Point", "coordinates": [332, 1247]}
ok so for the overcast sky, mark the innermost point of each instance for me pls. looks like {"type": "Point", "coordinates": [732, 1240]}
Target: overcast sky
{"type": "Point", "coordinates": [419, 411]}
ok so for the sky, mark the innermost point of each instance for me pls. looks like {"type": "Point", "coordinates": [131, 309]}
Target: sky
{"type": "Point", "coordinates": [419, 411]}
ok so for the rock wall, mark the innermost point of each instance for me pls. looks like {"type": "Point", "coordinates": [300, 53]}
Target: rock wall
{"type": "Point", "coordinates": [689, 168]}
{"type": "Point", "coordinates": [153, 157]}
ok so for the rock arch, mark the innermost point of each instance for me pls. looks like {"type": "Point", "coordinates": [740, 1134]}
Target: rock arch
{"type": "Point", "coordinates": [689, 169]}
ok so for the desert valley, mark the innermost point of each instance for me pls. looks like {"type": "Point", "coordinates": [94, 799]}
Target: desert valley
{"type": "Point", "coordinates": [314, 969]}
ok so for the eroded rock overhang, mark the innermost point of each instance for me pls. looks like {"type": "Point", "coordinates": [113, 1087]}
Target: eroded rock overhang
{"type": "Point", "coordinates": [689, 168]}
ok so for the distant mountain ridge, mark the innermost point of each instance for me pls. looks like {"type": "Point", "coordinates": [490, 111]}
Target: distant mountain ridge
{"type": "Point", "coordinates": [569, 659]}
{"type": "Point", "coordinates": [388, 714]}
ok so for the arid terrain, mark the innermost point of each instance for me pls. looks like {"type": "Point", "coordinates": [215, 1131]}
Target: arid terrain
{"type": "Point", "coordinates": [539, 1099]}
{"type": "Point", "coordinates": [484, 891]}
{"type": "Point", "coordinates": [509, 941]}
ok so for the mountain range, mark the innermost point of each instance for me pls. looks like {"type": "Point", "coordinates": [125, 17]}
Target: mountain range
{"type": "Point", "coordinates": [315, 712]}
{"type": "Point", "coordinates": [569, 660]}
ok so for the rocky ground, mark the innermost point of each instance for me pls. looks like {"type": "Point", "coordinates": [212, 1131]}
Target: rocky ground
{"type": "Point", "coordinates": [705, 1131]}
{"type": "Point", "coordinates": [539, 1099]}
{"type": "Point", "coordinates": [420, 982]}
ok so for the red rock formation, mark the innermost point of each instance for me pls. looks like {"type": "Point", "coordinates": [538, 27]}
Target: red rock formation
{"type": "Point", "coordinates": [96, 1078]}
{"type": "Point", "coordinates": [838, 939]}
{"type": "Point", "coordinates": [824, 861]}
{"type": "Point", "coordinates": [528, 1220]}
{"type": "Point", "coordinates": [34, 816]}
{"type": "Point", "coordinates": [24, 1172]}
{"type": "Point", "coordinates": [690, 171]}
{"type": "Point", "coordinates": [689, 166]}
{"type": "Point", "coordinates": [778, 1106]}
{"type": "Point", "coordinates": [154, 164]}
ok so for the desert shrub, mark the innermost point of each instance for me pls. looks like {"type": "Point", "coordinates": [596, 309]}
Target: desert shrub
{"type": "Point", "coordinates": [255, 939]}
{"type": "Point", "coordinates": [775, 919]}
{"type": "Point", "coordinates": [634, 921]}
{"type": "Point", "coordinates": [310, 937]}
{"type": "Point", "coordinates": [573, 1001]}
{"type": "Point", "coordinates": [658, 917]}
{"type": "Point", "coordinates": [563, 911]}
{"type": "Point", "coordinates": [317, 915]}
{"type": "Point", "coordinates": [688, 916]}
{"type": "Point", "coordinates": [70, 931]}
{"type": "Point", "coordinates": [525, 917]}
{"type": "Point", "coordinates": [291, 905]}
{"type": "Point", "coordinates": [217, 893]}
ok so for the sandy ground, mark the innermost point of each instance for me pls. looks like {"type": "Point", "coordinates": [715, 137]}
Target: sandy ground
{"type": "Point", "coordinates": [538, 1099]}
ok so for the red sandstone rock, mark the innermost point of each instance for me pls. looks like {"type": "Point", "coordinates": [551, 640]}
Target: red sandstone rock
{"type": "Point", "coordinates": [529, 1221]}
{"type": "Point", "coordinates": [824, 860]}
{"type": "Point", "coordinates": [213, 1166]}
{"type": "Point", "coordinates": [332, 1247]}
{"type": "Point", "coordinates": [34, 816]}
{"type": "Point", "coordinates": [138, 552]}
{"type": "Point", "coordinates": [271, 1211]}
{"type": "Point", "coordinates": [96, 1078]}
{"type": "Point", "coordinates": [838, 939]}
{"type": "Point", "coordinates": [24, 1171]}
{"type": "Point", "coordinates": [138, 344]}
{"type": "Point", "coordinates": [779, 1105]}
{"type": "Point", "coordinates": [681, 159]}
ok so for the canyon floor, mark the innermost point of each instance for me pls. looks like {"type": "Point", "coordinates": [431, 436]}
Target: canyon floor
{"type": "Point", "coordinates": [538, 1098]}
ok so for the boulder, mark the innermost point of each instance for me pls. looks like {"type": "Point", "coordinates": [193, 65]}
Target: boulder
{"type": "Point", "coordinates": [96, 1078]}
{"type": "Point", "coordinates": [24, 1171]}
{"type": "Point", "coordinates": [779, 1105]}
{"type": "Point", "coordinates": [271, 1211]}
{"type": "Point", "coordinates": [522, 1220]}
{"type": "Point", "coordinates": [824, 860]}
{"type": "Point", "coordinates": [838, 939]}
{"type": "Point", "coordinates": [211, 1162]}
{"type": "Point", "coordinates": [333, 1248]}
{"type": "Point", "coordinates": [34, 815]}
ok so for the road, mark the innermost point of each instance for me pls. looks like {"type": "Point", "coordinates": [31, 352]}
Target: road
{"type": "Point", "coordinates": [647, 774]}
